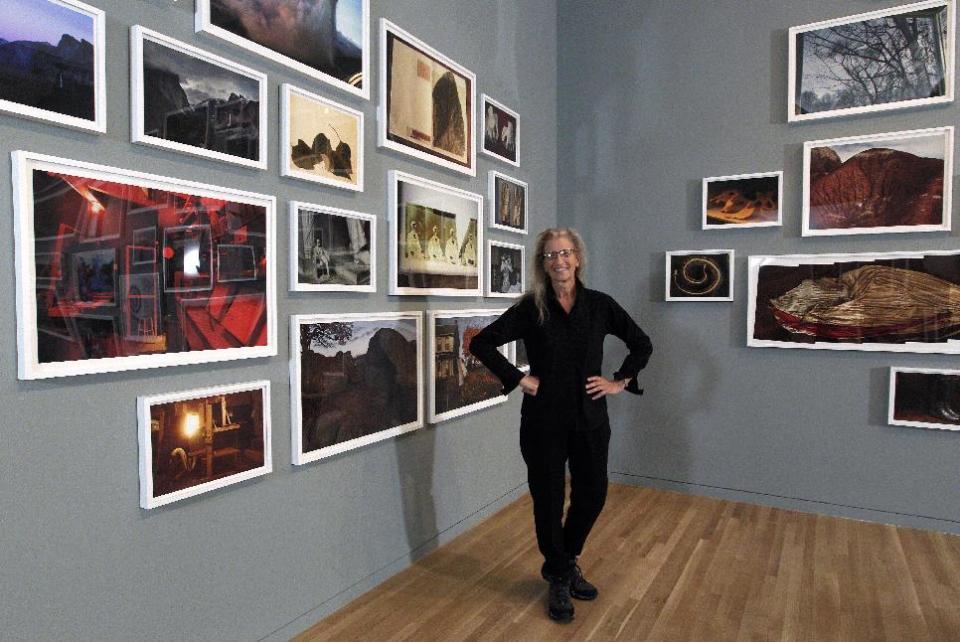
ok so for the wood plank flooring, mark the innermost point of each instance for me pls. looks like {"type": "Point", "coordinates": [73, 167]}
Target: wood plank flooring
{"type": "Point", "coordinates": [675, 567]}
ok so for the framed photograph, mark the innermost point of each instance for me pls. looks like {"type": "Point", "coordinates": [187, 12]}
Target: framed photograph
{"type": "Point", "coordinates": [139, 259]}
{"type": "Point", "coordinates": [329, 140]}
{"type": "Point", "coordinates": [924, 398]}
{"type": "Point", "coordinates": [52, 63]}
{"type": "Point", "coordinates": [743, 200]}
{"type": "Point", "coordinates": [459, 383]}
{"type": "Point", "coordinates": [436, 240]}
{"type": "Point", "coordinates": [191, 101]}
{"type": "Point", "coordinates": [336, 250]}
{"type": "Point", "coordinates": [895, 302]}
{"type": "Point", "coordinates": [508, 203]}
{"type": "Point", "coordinates": [196, 441]}
{"type": "Point", "coordinates": [500, 131]}
{"type": "Point", "coordinates": [699, 275]}
{"type": "Point", "coordinates": [880, 183]}
{"type": "Point", "coordinates": [506, 269]}
{"type": "Point", "coordinates": [889, 59]}
{"type": "Point", "coordinates": [355, 379]}
{"type": "Point", "coordinates": [518, 355]}
{"type": "Point", "coordinates": [427, 102]}
{"type": "Point", "coordinates": [328, 40]}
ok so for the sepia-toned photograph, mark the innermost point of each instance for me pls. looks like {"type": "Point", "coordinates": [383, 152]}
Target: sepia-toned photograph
{"type": "Point", "coordinates": [501, 131]}
{"type": "Point", "coordinates": [197, 441]}
{"type": "Point", "coordinates": [924, 398]}
{"type": "Point", "coordinates": [428, 100]}
{"type": "Point", "coordinates": [508, 200]}
{"type": "Point", "coordinates": [506, 269]}
{"type": "Point", "coordinates": [881, 183]}
{"type": "Point", "coordinates": [356, 380]}
{"type": "Point", "coordinates": [743, 200]}
{"type": "Point", "coordinates": [889, 59]}
{"type": "Point", "coordinates": [699, 275]}
{"type": "Point", "coordinates": [335, 249]}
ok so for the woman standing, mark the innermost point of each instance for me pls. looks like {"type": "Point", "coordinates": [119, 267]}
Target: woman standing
{"type": "Point", "coordinates": [563, 418]}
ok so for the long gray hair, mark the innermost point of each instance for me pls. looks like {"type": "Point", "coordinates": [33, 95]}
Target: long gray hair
{"type": "Point", "coordinates": [539, 278]}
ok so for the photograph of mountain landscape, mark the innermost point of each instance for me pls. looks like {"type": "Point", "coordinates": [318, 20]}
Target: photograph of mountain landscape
{"type": "Point", "coordinates": [192, 101]}
{"type": "Point", "coordinates": [897, 182]}
{"type": "Point", "coordinates": [326, 39]}
{"type": "Point", "coordinates": [51, 62]}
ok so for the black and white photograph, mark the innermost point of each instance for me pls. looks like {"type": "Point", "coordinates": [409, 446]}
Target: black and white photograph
{"type": "Point", "coordinates": [508, 198]}
{"type": "Point", "coordinates": [52, 62]}
{"type": "Point", "coordinates": [192, 101]}
{"type": "Point", "coordinates": [924, 398]}
{"type": "Point", "coordinates": [506, 268]}
{"type": "Point", "coordinates": [500, 131]}
{"type": "Point", "coordinates": [328, 40]}
{"type": "Point", "coordinates": [889, 59]}
{"type": "Point", "coordinates": [355, 380]}
{"type": "Point", "coordinates": [699, 275]}
{"type": "Point", "coordinates": [518, 355]}
{"type": "Point", "coordinates": [335, 249]}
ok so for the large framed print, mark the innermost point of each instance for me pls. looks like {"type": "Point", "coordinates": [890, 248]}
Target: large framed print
{"type": "Point", "coordinates": [888, 59]}
{"type": "Point", "coordinates": [191, 101]}
{"type": "Point", "coordinates": [895, 301]}
{"type": "Point", "coordinates": [329, 140]}
{"type": "Point", "coordinates": [52, 62]}
{"type": "Point", "coordinates": [436, 240]}
{"type": "Point", "coordinates": [699, 275]}
{"type": "Point", "coordinates": [879, 183]}
{"type": "Point", "coordinates": [924, 398]}
{"type": "Point", "coordinates": [459, 384]}
{"type": "Point", "coordinates": [508, 199]}
{"type": "Point", "coordinates": [328, 40]}
{"type": "Point", "coordinates": [336, 250]}
{"type": "Point", "coordinates": [427, 102]}
{"type": "Point", "coordinates": [150, 271]}
{"type": "Point", "coordinates": [506, 269]}
{"type": "Point", "coordinates": [742, 200]}
{"type": "Point", "coordinates": [500, 131]}
{"type": "Point", "coordinates": [196, 441]}
{"type": "Point", "coordinates": [355, 379]}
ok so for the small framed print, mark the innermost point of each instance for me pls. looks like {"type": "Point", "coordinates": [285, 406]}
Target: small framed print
{"type": "Point", "coordinates": [459, 383]}
{"type": "Point", "coordinates": [321, 141]}
{"type": "Point", "coordinates": [879, 183]}
{"type": "Point", "coordinates": [336, 250]}
{"type": "Point", "coordinates": [506, 268]}
{"type": "Point", "coordinates": [518, 355]}
{"type": "Point", "coordinates": [888, 59]}
{"type": "Point", "coordinates": [699, 275]}
{"type": "Point", "coordinates": [742, 200]}
{"type": "Point", "coordinates": [192, 101]}
{"type": "Point", "coordinates": [508, 203]}
{"type": "Point", "coordinates": [500, 131]}
{"type": "Point", "coordinates": [197, 441]}
{"type": "Point", "coordinates": [924, 398]}
{"type": "Point", "coordinates": [52, 63]}
{"type": "Point", "coordinates": [427, 102]}
{"type": "Point", "coordinates": [355, 379]}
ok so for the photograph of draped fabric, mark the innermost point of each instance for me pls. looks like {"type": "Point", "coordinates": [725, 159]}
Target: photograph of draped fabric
{"type": "Point", "coordinates": [336, 249]}
{"type": "Point", "coordinates": [355, 379]}
{"type": "Point", "coordinates": [427, 102]}
{"type": "Point", "coordinates": [895, 301]}
{"type": "Point", "coordinates": [699, 275]}
{"type": "Point", "coordinates": [325, 39]}
{"type": "Point", "coordinates": [888, 59]}
{"type": "Point", "coordinates": [924, 398]}
{"type": "Point", "coordinates": [879, 183]}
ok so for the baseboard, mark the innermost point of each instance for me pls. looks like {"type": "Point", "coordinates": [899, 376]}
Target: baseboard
{"type": "Point", "coordinates": [335, 602]}
{"type": "Point", "coordinates": [792, 503]}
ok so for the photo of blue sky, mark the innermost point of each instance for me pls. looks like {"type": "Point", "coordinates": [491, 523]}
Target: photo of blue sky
{"type": "Point", "coordinates": [43, 21]}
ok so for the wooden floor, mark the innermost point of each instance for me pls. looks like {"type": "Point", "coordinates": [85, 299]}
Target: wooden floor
{"type": "Point", "coordinates": [675, 567]}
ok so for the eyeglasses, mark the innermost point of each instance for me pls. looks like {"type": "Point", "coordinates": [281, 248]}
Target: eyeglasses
{"type": "Point", "coordinates": [564, 253]}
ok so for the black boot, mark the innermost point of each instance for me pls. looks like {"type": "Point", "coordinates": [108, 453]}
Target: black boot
{"type": "Point", "coordinates": [559, 606]}
{"type": "Point", "coordinates": [580, 588]}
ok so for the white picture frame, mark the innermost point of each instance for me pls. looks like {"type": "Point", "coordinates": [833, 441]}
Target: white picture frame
{"type": "Point", "coordinates": [486, 121]}
{"type": "Point", "coordinates": [148, 500]}
{"type": "Point", "coordinates": [203, 23]}
{"type": "Point", "coordinates": [298, 443]}
{"type": "Point", "coordinates": [494, 202]}
{"type": "Point", "coordinates": [299, 285]}
{"type": "Point", "coordinates": [138, 98]}
{"type": "Point", "coordinates": [491, 267]}
{"type": "Point", "coordinates": [893, 420]}
{"type": "Point", "coordinates": [745, 191]}
{"type": "Point", "coordinates": [707, 289]}
{"type": "Point", "coordinates": [888, 140]}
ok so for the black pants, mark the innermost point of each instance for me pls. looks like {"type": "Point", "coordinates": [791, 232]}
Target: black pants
{"type": "Point", "coordinates": [546, 453]}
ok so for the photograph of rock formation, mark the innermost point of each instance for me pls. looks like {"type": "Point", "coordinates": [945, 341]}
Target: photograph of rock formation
{"type": "Point", "coordinates": [869, 185]}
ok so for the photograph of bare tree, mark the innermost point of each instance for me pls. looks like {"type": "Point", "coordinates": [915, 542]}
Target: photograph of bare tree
{"type": "Point", "coordinates": [890, 59]}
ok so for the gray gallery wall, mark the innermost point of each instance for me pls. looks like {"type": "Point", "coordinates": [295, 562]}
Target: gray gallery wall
{"type": "Point", "coordinates": [266, 558]}
{"type": "Point", "coordinates": [653, 96]}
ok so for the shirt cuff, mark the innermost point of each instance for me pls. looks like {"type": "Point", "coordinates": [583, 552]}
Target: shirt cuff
{"type": "Point", "coordinates": [633, 386]}
{"type": "Point", "coordinates": [512, 382]}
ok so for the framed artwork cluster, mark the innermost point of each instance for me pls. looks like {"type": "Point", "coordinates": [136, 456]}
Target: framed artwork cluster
{"type": "Point", "coordinates": [121, 270]}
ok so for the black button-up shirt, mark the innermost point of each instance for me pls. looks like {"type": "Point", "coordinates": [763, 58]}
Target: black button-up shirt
{"type": "Point", "coordinates": [563, 352]}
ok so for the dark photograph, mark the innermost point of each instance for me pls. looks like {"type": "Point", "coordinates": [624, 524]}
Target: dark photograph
{"type": "Point", "coordinates": [704, 276]}
{"type": "Point", "coordinates": [333, 249]}
{"type": "Point", "coordinates": [747, 200]}
{"type": "Point", "coordinates": [461, 383]}
{"type": "Point", "coordinates": [499, 132]}
{"type": "Point", "coordinates": [505, 274]}
{"type": "Point", "coordinates": [925, 399]}
{"type": "Point", "coordinates": [509, 203]}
